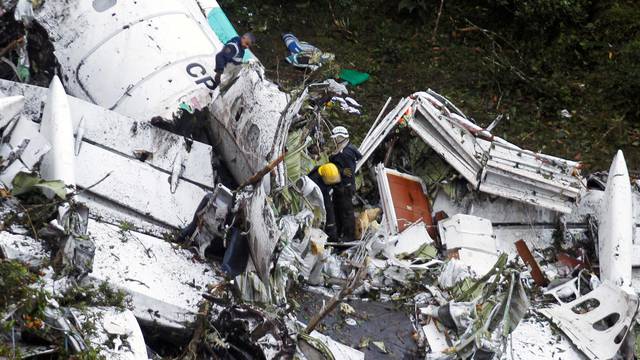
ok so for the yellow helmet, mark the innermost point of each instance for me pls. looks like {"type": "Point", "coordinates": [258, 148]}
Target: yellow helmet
{"type": "Point", "coordinates": [329, 173]}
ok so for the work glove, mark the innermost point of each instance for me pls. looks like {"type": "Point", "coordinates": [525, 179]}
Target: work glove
{"type": "Point", "coordinates": [217, 78]}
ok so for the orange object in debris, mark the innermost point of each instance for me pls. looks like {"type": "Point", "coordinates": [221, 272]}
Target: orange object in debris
{"type": "Point", "coordinates": [409, 200]}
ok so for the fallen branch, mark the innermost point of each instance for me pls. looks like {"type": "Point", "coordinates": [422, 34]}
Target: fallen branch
{"type": "Point", "coordinates": [12, 45]}
{"type": "Point", "coordinates": [359, 262]}
{"type": "Point", "coordinates": [260, 174]}
{"type": "Point", "coordinates": [435, 28]}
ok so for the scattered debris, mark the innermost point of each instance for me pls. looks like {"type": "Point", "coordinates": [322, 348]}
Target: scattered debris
{"type": "Point", "coordinates": [304, 55]}
{"type": "Point", "coordinates": [483, 249]}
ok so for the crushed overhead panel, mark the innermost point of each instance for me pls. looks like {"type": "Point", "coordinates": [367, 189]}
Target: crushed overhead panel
{"type": "Point", "coordinates": [490, 164]}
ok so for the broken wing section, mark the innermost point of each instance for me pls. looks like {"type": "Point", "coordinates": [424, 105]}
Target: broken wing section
{"type": "Point", "coordinates": [134, 189]}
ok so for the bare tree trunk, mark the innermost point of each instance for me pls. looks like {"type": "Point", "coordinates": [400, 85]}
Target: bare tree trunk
{"type": "Point", "coordinates": [435, 28]}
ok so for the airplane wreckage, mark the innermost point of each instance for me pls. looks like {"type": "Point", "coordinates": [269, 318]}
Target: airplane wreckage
{"type": "Point", "coordinates": [499, 252]}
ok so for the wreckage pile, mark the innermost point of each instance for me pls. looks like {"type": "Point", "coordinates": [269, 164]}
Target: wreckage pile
{"type": "Point", "coordinates": [490, 248]}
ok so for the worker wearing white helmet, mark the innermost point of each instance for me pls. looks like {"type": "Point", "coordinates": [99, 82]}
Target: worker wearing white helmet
{"type": "Point", "coordinates": [345, 157]}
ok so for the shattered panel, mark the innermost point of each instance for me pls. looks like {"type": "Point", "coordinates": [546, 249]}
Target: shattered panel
{"type": "Point", "coordinates": [245, 119]}
{"type": "Point", "coordinates": [165, 282]}
{"type": "Point", "coordinates": [597, 322]}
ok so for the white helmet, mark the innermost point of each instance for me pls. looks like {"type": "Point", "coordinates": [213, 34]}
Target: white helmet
{"type": "Point", "coordinates": [339, 131]}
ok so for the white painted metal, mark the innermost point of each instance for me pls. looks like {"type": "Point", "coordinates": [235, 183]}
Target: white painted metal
{"type": "Point", "coordinates": [165, 54]}
{"type": "Point", "coordinates": [263, 233]}
{"type": "Point", "coordinates": [136, 186]}
{"type": "Point", "coordinates": [455, 144]}
{"type": "Point", "coordinates": [411, 239]}
{"type": "Point", "coordinates": [379, 133]}
{"type": "Point", "coordinates": [10, 106]}
{"type": "Point", "coordinates": [535, 339]}
{"type": "Point", "coordinates": [596, 337]}
{"type": "Point", "coordinates": [7, 175]}
{"type": "Point", "coordinates": [467, 231]}
{"type": "Point", "coordinates": [615, 227]}
{"type": "Point", "coordinates": [57, 128]}
{"type": "Point", "coordinates": [115, 332]}
{"type": "Point", "coordinates": [27, 131]}
{"type": "Point", "coordinates": [162, 279]}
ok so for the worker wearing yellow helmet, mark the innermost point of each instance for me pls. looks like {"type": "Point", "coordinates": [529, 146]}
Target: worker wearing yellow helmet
{"type": "Point", "coordinates": [326, 176]}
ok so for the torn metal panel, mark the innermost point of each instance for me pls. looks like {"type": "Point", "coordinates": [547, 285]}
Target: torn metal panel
{"type": "Point", "coordinates": [135, 185]}
{"type": "Point", "coordinates": [411, 240]}
{"type": "Point", "coordinates": [116, 333]}
{"type": "Point", "coordinates": [470, 239]}
{"type": "Point", "coordinates": [466, 231]}
{"type": "Point", "coordinates": [125, 135]}
{"type": "Point", "coordinates": [245, 119]}
{"type": "Point", "coordinates": [404, 200]}
{"type": "Point", "coordinates": [165, 282]}
{"type": "Point", "coordinates": [436, 338]}
{"type": "Point", "coordinates": [282, 134]}
{"type": "Point", "coordinates": [263, 232]}
{"type": "Point", "coordinates": [455, 144]}
{"type": "Point", "coordinates": [9, 173]}
{"type": "Point", "coordinates": [27, 132]}
{"type": "Point", "coordinates": [10, 106]}
{"type": "Point", "coordinates": [213, 218]}
{"type": "Point", "coordinates": [166, 45]}
{"type": "Point", "coordinates": [598, 322]}
{"type": "Point", "coordinates": [22, 248]}
{"type": "Point", "coordinates": [535, 339]}
{"type": "Point", "coordinates": [615, 226]}
{"type": "Point", "coordinates": [377, 134]}
{"type": "Point", "coordinates": [338, 350]}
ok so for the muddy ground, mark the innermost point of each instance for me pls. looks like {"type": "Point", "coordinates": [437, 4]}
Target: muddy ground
{"type": "Point", "coordinates": [376, 321]}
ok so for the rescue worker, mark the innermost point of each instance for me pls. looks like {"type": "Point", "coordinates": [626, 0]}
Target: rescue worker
{"type": "Point", "coordinates": [325, 176]}
{"type": "Point", "coordinates": [345, 156]}
{"type": "Point", "coordinates": [231, 55]}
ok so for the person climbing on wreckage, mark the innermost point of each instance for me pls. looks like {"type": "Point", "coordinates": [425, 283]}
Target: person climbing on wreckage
{"type": "Point", "coordinates": [326, 176]}
{"type": "Point", "coordinates": [229, 59]}
{"type": "Point", "coordinates": [345, 156]}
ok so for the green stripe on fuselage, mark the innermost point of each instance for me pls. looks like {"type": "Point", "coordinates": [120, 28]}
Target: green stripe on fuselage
{"type": "Point", "coordinates": [220, 24]}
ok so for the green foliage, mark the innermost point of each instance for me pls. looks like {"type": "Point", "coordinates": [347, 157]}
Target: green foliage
{"type": "Point", "coordinates": [16, 289]}
{"type": "Point", "coordinates": [24, 183]}
{"type": "Point", "coordinates": [85, 296]}
{"type": "Point", "coordinates": [541, 16]}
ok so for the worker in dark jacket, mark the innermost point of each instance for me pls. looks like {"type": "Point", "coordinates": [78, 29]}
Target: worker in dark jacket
{"type": "Point", "coordinates": [345, 157]}
{"type": "Point", "coordinates": [232, 54]}
{"type": "Point", "coordinates": [325, 177]}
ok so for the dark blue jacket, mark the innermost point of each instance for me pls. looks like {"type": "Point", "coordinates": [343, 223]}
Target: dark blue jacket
{"type": "Point", "coordinates": [346, 161]}
{"type": "Point", "coordinates": [232, 52]}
